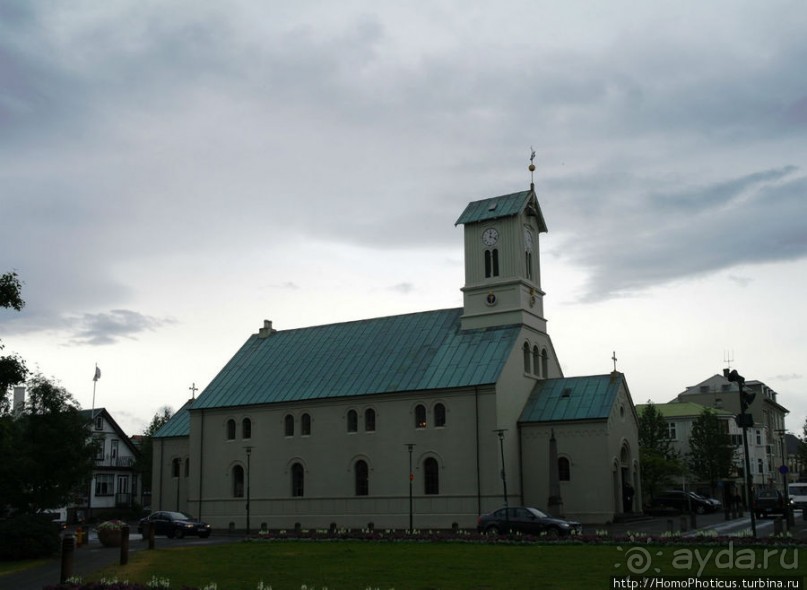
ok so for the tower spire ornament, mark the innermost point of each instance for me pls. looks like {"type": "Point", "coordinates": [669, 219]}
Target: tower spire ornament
{"type": "Point", "coordinates": [531, 168]}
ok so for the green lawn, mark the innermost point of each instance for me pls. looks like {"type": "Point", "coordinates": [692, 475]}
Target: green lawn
{"type": "Point", "coordinates": [409, 565]}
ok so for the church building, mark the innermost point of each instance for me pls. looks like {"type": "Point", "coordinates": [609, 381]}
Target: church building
{"type": "Point", "coordinates": [426, 416]}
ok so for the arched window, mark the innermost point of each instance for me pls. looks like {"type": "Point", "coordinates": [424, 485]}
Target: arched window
{"type": "Point", "coordinates": [526, 350]}
{"type": "Point", "coordinates": [230, 429]}
{"type": "Point", "coordinates": [439, 415]}
{"type": "Point", "coordinates": [431, 476]}
{"type": "Point", "coordinates": [491, 263]}
{"type": "Point", "coordinates": [352, 421]}
{"type": "Point", "coordinates": [420, 416]}
{"type": "Point", "coordinates": [362, 474]}
{"type": "Point", "coordinates": [175, 465]}
{"type": "Point", "coordinates": [297, 476]}
{"type": "Point", "coordinates": [369, 420]}
{"type": "Point", "coordinates": [536, 361]}
{"type": "Point", "coordinates": [246, 428]}
{"type": "Point", "coordinates": [288, 425]}
{"type": "Point", "coordinates": [564, 469]}
{"type": "Point", "coordinates": [187, 466]}
{"type": "Point", "coordinates": [544, 364]}
{"type": "Point", "coordinates": [238, 482]}
{"type": "Point", "coordinates": [305, 424]}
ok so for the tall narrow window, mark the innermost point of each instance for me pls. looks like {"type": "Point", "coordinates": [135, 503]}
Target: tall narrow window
{"type": "Point", "coordinates": [488, 265]}
{"type": "Point", "coordinates": [305, 424]}
{"type": "Point", "coordinates": [564, 469]}
{"type": "Point", "coordinates": [439, 415]}
{"type": "Point", "coordinates": [369, 420]}
{"type": "Point", "coordinates": [528, 269]}
{"type": "Point", "coordinates": [420, 416]}
{"type": "Point", "coordinates": [431, 476]}
{"type": "Point", "coordinates": [230, 429]}
{"type": "Point", "coordinates": [187, 466]}
{"type": "Point", "coordinates": [288, 425]}
{"type": "Point", "coordinates": [544, 364]}
{"type": "Point", "coordinates": [495, 262]}
{"type": "Point", "coordinates": [526, 350]}
{"type": "Point", "coordinates": [362, 474]}
{"type": "Point", "coordinates": [238, 482]}
{"type": "Point", "coordinates": [297, 480]}
{"type": "Point", "coordinates": [352, 421]}
{"type": "Point", "coordinates": [175, 464]}
{"type": "Point", "coordinates": [536, 361]}
{"type": "Point", "coordinates": [246, 428]}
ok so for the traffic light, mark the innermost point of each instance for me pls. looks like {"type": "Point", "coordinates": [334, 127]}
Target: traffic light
{"type": "Point", "coordinates": [734, 377]}
{"type": "Point", "coordinates": [746, 399]}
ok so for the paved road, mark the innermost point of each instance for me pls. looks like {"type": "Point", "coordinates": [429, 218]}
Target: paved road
{"type": "Point", "coordinates": [93, 556]}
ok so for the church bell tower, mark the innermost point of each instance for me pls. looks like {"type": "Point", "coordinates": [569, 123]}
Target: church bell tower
{"type": "Point", "coordinates": [502, 261]}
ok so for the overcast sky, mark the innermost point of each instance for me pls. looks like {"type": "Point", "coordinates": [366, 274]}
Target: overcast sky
{"type": "Point", "coordinates": [173, 173]}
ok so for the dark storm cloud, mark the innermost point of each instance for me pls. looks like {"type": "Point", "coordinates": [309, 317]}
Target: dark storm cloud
{"type": "Point", "coordinates": [653, 238]}
{"type": "Point", "coordinates": [107, 328]}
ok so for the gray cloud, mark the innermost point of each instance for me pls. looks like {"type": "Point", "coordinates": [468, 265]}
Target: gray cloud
{"type": "Point", "coordinates": [107, 328]}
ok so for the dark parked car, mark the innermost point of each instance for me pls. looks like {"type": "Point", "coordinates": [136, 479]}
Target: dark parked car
{"type": "Point", "coordinates": [526, 520]}
{"type": "Point", "coordinates": [681, 501]}
{"type": "Point", "coordinates": [769, 502]}
{"type": "Point", "coordinates": [174, 524]}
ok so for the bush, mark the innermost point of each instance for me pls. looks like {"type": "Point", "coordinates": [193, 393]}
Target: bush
{"type": "Point", "coordinates": [28, 536]}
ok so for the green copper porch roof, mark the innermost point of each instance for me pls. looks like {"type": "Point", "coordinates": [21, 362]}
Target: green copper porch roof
{"type": "Point", "coordinates": [572, 398]}
{"type": "Point", "coordinates": [503, 206]}
{"type": "Point", "coordinates": [413, 352]}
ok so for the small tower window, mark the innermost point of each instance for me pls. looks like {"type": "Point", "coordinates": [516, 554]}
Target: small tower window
{"type": "Point", "coordinates": [491, 263]}
{"type": "Point", "coordinates": [536, 361]}
{"type": "Point", "coordinates": [544, 364]}
{"type": "Point", "coordinates": [305, 424]}
{"type": "Point", "coordinates": [526, 349]}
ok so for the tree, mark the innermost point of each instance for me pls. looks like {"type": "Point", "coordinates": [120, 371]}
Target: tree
{"type": "Point", "coordinates": [146, 458]}
{"type": "Point", "coordinates": [12, 367]}
{"type": "Point", "coordinates": [802, 452]}
{"type": "Point", "coordinates": [46, 451]}
{"type": "Point", "coordinates": [659, 460]}
{"type": "Point", "coordinates": [711, 454]}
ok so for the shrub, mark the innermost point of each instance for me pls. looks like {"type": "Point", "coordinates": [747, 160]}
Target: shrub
{"type": "Point", "coordinates": [28, 536]}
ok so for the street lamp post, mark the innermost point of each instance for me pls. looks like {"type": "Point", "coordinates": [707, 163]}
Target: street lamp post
{"type": "Point", "coordinates": [500, 432]}
{"type": "Point", "coordinates": [249, 454]}
{"type": "Point", "coordinates": [410, 446]}
{"type": "Point", "coordinates": [783, 471]}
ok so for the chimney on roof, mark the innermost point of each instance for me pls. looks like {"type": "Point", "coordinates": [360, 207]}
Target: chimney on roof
{"type": "Point", "coordinates": [267, 329]}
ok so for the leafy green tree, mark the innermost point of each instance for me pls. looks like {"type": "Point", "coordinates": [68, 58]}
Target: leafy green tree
{"type": "Point", "coordinates": [12, 367]}
{"type": "Point", "coordinates": [146, 458]}
{"type": "Point", "coordinates": [46, 451]}
{"type": "Point", "coordinates": [659, 460]}
{"type": "Point", "coordinates": [802, 452]}
{"type": "Point", "coordinates": [711, 454]}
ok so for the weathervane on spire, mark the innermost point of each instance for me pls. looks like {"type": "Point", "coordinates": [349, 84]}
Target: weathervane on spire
{"type": "Point", "coordinates": [532, 167]}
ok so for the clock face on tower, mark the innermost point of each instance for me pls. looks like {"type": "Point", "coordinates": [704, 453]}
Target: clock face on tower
{"type": "Point", "coordinates": [490, 236]}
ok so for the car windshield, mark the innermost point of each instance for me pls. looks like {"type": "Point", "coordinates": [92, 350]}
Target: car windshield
{"type": "Point", "coordinates": [537, 512]}
{"type": "Point", "coordinates": [179, 516]}
{"type": "Point", "coordinates": [797, 490]}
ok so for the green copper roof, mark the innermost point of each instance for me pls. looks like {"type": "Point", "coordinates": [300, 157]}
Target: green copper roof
{"type": "Point", "coordinates": [178, 425]}
{"type": "Point", "coordinates": [503, 206]}
{"type": "Point", "coordinates": [572, 398]}
{"type": "Point", "coordinates": [413, 352]}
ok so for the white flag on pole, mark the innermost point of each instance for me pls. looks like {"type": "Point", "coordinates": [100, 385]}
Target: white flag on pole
{"type": "Point", "coordinates": [97, 373]}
